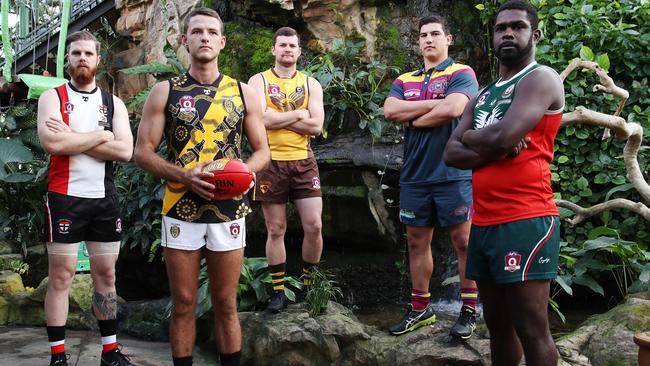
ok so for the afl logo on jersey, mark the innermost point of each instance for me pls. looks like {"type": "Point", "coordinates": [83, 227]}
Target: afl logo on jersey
{"type": "Point", "coordinates": [482, 99]}
{"type": "Point", "coordinates": [187, 103]}
{"type": "Point", "coordinates": [508, 91]}
{"type": "Point", "coordinates": [68, 107]}
{"type": "Point", "coordinates": [274, 90]}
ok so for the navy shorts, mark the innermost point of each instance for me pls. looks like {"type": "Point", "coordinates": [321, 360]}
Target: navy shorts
{"type": "Point", "coordinates": [74, 219]}
{"type": "Point", "coordinates": [450, 202]}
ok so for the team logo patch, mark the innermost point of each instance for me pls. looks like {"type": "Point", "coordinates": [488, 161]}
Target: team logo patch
{"type": "Point", "coordinates": [508, 91]}
{"type": "Point", "coordinates": [235, 230]}
{"type": "Point", "coordinates": [118, 225]}
{"type": "Point", "coordinates": [175, 230]}
{"type": "Point", "coordinates": [513, 262]}
{"type": "Point", "coordinates": [265, 185]}
{"type": "Point", "coordinates": [412, 93]}
{"type": "Point", "coordinates": [315, 183]}
{"type": "Point", "coordinates": [85, 98]}
{"type": "Point", "coordinates": [461, 210]}
{"type": "Point", "coordinates": [482, 99]}
{"type": "Point", "coordinates": [187, 103]}
{"type": "Point", "coordinates": [274, 90]}
{"type": "Point", "coordinates": [438, 87]}
{"type": "Point", "coordinates": [69, 107]}
{"type": "Point", "coordinates": [206, 91]}
{"type": "Point", "coordinates": [64, 226]}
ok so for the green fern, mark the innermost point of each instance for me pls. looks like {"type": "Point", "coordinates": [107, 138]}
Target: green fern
{"type": "Point", "coordinates": [139, 98]}
{"type": "Point", "coordinates": [155, 68]}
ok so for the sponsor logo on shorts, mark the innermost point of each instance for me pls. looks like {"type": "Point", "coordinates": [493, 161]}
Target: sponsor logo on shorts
{"type": "Point", "coordinates": [187, 103]}
{"type": "Point", "coordinates": [235, 230]}
{"type": "Point", "coordinates": [265, 185]}
{"type": "Point", "coordinates": [118, 225]}
{"type": "Point", "coordinates": [461, 210]}
{"type": "Point", "coordinates": [315, 183]}
{"type": "Point", "coordinates": [543, 260]}
{"type": "Point", "coordinates": [64, 226]}
{"type": "Point", "coordinates": [175, 230]}
{"type": "Point", "coordinates": [513, 262]}
{"type": "Point", "coordinates": [407, 214]}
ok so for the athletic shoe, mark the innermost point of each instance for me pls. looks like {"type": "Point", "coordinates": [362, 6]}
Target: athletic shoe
{"type": "Point", "coordinates": [278, 302]}
{"type": "Point", "coordinates": [59, 359]}
{"type": "Point", "coordinates": [413, 320]}
{"type": "Point", "coordinates": [115, 358]}
{"type": "Point", "coordinates": [465, 324]}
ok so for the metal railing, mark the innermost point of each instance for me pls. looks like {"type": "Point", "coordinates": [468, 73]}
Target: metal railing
{"type": "Point", "coordinates": [48, 30]}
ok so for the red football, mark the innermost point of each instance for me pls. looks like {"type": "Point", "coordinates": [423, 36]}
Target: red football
{"type": "Point", "coordinates": [231, 178]}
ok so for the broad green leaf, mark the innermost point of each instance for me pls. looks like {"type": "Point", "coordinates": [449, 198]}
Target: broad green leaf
{"type": "Point", "coordinates": [601, 231]}
{"type": "Point", "coordinates": [621, 188]}
{"type": "Point", "coordinates": [588, 281]}
{"type": "Point", "coordinates": [13, 151]}
{"type": "Point", "coordinates": [586, 53]}
{"type": "Point", "coordinates": [560, 281]}
{"type": "Point", "coordinates": [603, 61]}
{"type": "Point", "coordinates": [562, 159]}
{"type": "Point", "coordinates": [582, 183]}
{"type": "Point", "coordinates": [480, 7]}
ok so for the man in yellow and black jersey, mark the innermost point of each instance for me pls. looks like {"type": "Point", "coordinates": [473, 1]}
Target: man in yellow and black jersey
{"type": "Point", "coordinates": [202, 115]}
{"type": "Point", "coordinates": [293, 113]}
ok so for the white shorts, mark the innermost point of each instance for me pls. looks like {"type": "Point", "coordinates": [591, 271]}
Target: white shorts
{"type": "Point", "coordinates": [220, 237]}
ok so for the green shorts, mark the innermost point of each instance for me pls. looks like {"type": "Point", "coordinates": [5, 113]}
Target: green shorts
{"type": "Point", "coordinates": [515, 251]}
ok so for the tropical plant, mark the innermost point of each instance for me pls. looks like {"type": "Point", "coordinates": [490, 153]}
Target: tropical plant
{"type": "Point", "coordinates": [323, 288]}
{"type": "Point", "coordinates": [253, 290]}
{"type": "Point", "coordinates": [352, 89]}
{"type": "Point", "coordinates": [23, 166]}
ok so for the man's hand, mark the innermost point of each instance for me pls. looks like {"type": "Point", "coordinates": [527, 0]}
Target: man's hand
{"type": "Point", "coordinates": [193, 179]}
{"type": "Point", "coordinates": [55, 125]}
{"type": "Point", "coordinates": [520, 146]}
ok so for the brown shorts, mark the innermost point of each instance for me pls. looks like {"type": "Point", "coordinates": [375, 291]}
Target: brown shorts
{"type": "Point", "coordinates": [291, 180]}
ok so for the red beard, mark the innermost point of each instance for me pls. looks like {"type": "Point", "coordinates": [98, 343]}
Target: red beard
{"type": "Point", "coordinates": [83, 75]}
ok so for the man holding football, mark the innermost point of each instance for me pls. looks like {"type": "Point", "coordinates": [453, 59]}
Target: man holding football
{"type": "Point", "coordinates": [203, 114]}
{"type": "Point", "coordinates": [293, 113]}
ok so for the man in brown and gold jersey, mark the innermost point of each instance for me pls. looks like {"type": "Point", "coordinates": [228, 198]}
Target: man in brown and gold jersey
{"type": "Point", "coordinates": [293, 113]}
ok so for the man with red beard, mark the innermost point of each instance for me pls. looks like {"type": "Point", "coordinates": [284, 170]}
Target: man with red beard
{"type": "Point", "coordinates": [85, 129]}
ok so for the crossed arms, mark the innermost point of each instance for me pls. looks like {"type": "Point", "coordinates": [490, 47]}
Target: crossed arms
{"type": "Point", "coordinates": [303, 121]}
{"type": "Point", "coordinates": [538, 92]}
{"type": "Point", "coordinates": [57, 138]}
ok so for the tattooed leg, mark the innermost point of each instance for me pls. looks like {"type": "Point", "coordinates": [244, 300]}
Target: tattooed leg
{"type": "Point", "coordinates": [105, 305]}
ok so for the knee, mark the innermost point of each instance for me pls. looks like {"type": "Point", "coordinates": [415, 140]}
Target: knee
{"type": "Point", "coordinates": [60, 280]}
{"type": "Point", "coordinates": [225, 308]}
{"type": "Point", "coordinates": [183, 305]}
{"type": "Point", "coordinates": [460, 241]}
{"type": "Point", "coordinates": [276, 229]}
{"type": "Point", "coordinates": [103, 276]}
{"type": "Point", "coordinates": [312, 226]}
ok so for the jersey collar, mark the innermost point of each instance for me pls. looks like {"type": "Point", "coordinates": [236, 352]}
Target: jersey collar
{"type": "Point", "coordinates": [439, 67]}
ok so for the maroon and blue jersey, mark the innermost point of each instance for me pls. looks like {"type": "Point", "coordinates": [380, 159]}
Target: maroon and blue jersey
{"type": "Point", "coordinates": [424, 147]}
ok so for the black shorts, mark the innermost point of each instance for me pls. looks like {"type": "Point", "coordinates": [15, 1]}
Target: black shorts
{"type": "Point", "coordinates": [74, 219]}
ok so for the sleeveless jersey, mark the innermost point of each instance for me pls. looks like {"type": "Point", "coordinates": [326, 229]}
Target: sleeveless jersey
{"type": "Point", "coordinates": [203, 122]}
{"type": "Point", "coordinates": [82, 175]}
{"type": "Point", "coordinates": [282, 95]}
{"type": "Point", "coordinates": [520, 188]}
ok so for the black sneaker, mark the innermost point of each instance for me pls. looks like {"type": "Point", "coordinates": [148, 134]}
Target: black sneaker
{"type": "Point", "coordinates": [59, 359]}
{"type": "Point", "coordinates": [278, 302]}
{"type": "Point", "coordinates": [413, 320]}
{"type": "Point", "coordinates": [465, 324]}
{"type": "Point", "coordinates": [115, 358]}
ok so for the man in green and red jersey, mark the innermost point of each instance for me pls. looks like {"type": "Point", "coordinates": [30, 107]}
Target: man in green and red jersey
{"type": "Point", "coordinates": [506, 136]}
{"type": "Point", "coordinates": [428, 103]}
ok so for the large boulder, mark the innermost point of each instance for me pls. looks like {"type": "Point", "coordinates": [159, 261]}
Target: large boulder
{"type": "Point", "coordinates": [338, 338]}
{"type": "Point", "coordinates": [607, 339]}
{"type": "Point", "coordinates": [10, 283]}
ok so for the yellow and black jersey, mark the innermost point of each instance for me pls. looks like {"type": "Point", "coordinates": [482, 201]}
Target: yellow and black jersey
{"type": "Point", "coordinates": [283, 95]}
{"type": "Point", "coordinates": [203, 122]}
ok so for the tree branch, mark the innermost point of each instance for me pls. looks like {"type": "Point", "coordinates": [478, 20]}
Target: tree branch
{"type": "Point", "coordinates": [582, 213]}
